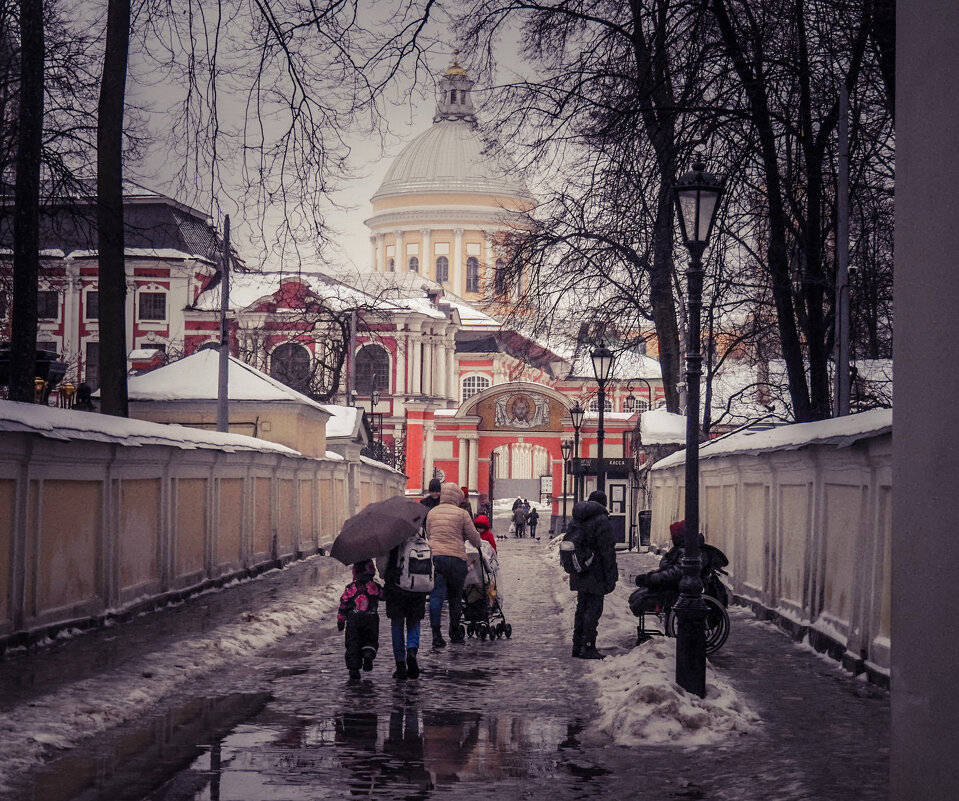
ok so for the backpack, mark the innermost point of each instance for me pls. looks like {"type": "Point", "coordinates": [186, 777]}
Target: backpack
{"type": "Point", "coordinates": [575, 554]}
{"type": "Point", "coordinates": [414, 564]}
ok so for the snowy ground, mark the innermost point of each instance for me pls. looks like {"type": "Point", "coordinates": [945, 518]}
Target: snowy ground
{"type": "Point", "coordinates": [637, 697]}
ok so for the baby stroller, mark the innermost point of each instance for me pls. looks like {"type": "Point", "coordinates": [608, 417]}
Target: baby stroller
{"type": "Point", "coordinates": [482, 611]}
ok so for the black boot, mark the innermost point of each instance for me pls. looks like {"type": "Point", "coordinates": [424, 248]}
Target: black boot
{"type": "Point", "coordinates": [576, 650]}
{"type": "Point", "coordinates": [438, 641]}
{"type": "Point", "coordinates": [368, 655]}
{"type": "Point", "coordinates": [412, 666]}
{"type": "Point", "coordinates": [400, 672]}
{"type": "Point", "coordinates": [589, 651]}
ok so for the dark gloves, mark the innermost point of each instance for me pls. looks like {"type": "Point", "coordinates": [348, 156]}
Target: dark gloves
{"type": "Point", "coordinates": [340, 625]}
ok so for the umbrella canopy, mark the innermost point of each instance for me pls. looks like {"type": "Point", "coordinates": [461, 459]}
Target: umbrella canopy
{"type": "Point", "coordinates": [378, 528]}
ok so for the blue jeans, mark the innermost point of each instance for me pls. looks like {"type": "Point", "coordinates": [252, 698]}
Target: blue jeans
{"type": "Point", "coordinates": [449, 576]}
{"type": "Point", "coordinates": [401, 642]}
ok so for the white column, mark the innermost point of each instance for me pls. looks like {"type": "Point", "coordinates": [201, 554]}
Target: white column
{"type": "Point", "coordinates": [426, 257]}
{"type": "Point", "coordinates": [72, 315]}
{"type": "Point", "coordinates": [453, 379]}
{"type": "Point", "coordinates": [474, 462]}
{"type": "Point", "coordinates": [417, 346]}
{"type": "Point", "coordinates": [400, 253]}
{"type": "Point", "coordinates": [375, 252]}
{"type": "Point", "coordinates": [458, 278]}
{"type": "Point", "coordinates": [401, 343]}
{"type": "Point", "coordinates": [429, 429]}
{"type": "Point", "coordinates": [490, 270]}
{"type": "Point", "coordinates": [463, 466]}
{"type": "Point", "coordinates": [131, 319]}
{"type": "Point", "coordinates": [441, 385]}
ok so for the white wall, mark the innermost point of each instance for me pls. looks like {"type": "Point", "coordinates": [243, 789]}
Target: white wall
{"type": "Point", "coordinates": [808, 535]}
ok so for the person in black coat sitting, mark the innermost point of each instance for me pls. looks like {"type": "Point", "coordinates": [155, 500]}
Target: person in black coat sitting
{"type": "Point", "coordinates": [670, 571]}
{"type": "Point", "coordinates": [598, 580]}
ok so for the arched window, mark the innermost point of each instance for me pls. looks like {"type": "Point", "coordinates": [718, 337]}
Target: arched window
{"type": "Point", "coordinates": [290, 363]}
{"type": "Point", "coordinates": [634, 404]}
{"type": "Point", "coordinates": [500, 278]}
{"type": "Point", "coordinates": [452, 95]}
{"type": "Point", "coordinates": [391, 265]}
{"type": "Point", "coordinates": [472, 274]}
{"type": "Point", "coordinates": [473, 384]}
{"type": "Point", "coordinates": [442, 269]}
{"type": "Point", "coordinates": [372, 361]}
{"type": "Point", "coordinates": [607, 405]}
{"type": "Point", "coordinates": [414, 264]}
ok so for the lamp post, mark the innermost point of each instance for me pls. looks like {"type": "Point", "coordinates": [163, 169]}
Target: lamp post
{"type": "Point", "coordinates": [577, 413]}
{"type": "Point", "coordinates": [602, 359]}
{"type": "Point", "coordinates": [567, 450]}
{"type": "Point", "coordinates": [697, 200]}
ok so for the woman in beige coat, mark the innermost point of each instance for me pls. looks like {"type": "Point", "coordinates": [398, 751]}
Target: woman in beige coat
{"type": "Point", "coordinates": [448, 527]}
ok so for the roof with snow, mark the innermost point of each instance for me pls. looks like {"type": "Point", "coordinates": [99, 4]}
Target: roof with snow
{"type": "Point", "coordinates": [68, 425]}
{"type": "Point", "coordinates": [840, 432]}
{"type": "Point", "coordinates": [196, 377]}
{"type": "Point", "coordinates": [344, 421]}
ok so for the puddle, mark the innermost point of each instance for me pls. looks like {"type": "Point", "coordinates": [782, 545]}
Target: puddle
{"type": "Point", "coordinates": [139, 757]}
{"type": "Point", "coordinates": [406, 753]}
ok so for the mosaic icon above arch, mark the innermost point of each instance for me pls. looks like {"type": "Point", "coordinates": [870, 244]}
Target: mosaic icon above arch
{"type": "Point", "coordinates": [519, 411]}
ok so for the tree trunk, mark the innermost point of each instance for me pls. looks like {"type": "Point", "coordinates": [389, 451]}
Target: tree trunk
{"type": "Point", "coordinates": [110, 239]}
{"type": "Point", "coordinates": [26, 221]}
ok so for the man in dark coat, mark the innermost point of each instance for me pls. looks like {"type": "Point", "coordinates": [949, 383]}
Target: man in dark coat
{"type": "Point", "coordinates": [599, 579]}
{"type": "Point", "coordinates": [433, 494]}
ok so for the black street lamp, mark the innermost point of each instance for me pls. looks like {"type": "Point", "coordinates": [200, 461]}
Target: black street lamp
{"type": "Point", "coordinates": [697, 200]}
{"type": "Point", "coordinates": [567, 450]}
{"type": "Point", "coordinates": [577, 413]}
{"type": "Point", "coordinates": [602, 359]}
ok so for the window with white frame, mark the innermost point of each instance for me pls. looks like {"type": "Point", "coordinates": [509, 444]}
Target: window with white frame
{"type": "Point", "coordinates": [474, 384]}
{"type": "Point", "coordinates": [499, 280]}
{"type": "Point", "coordinates": [152, 306]}
{"type": "Point", "coordinates": [607, 405]}
{"type": "Point", "coordinates": [414, 264]}
{"type": "Point", "coordinates": [442, 269]}
{"type": "Point", "coordinates": [634, 404]}
{"type": "Point", "coordinates": [91, 306]}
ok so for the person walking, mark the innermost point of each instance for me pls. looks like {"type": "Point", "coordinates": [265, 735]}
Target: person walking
{"type": "Point", "coordinates": [483, 527]}
{"type": "Point", "coordinates": [405, 610]}
{"type": "Point", "coordinates": [466, 504]}
{"type": "Point", "coordinates": [432, 497]}
{"type": "Point", "coordinates": [358, 613]}
{"type": "Point", "coordinates": [448, 527]}
{"type": "Point", "coordinates": [531, 520]}
{"type": "Point", "coordinates": [598, 580]}
{"type": "Point", "coordinates": [519, 521]}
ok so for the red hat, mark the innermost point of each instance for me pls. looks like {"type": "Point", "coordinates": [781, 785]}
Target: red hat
{"type": "Point", "coordinates": [481, 520]}
{"type": "Point", "coordinates": [678, 529]}
{"type": "Point", "coordinates": [466, 491]}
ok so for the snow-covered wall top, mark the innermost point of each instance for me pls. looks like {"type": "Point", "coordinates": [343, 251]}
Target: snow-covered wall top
{"type": "Point", "coordinates": [659, 427]}
{"type": "Point", "coordinates": [839, 431]}
{"type": "Point", "coordinates": [65, 425]}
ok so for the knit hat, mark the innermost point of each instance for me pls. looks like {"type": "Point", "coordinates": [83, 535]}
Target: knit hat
{"type": "Point", "coordinates": [435, 485]}
{"type": "Point", "coordinates": [481, 520]}
{"type": "Point", "coordinates": [466, 491]}
{"type": "Point", "coordinates": [678, 529]}
{"type": "Point", "coordinates": [599, 496]}
{"type": "Point", "coordinates": [364, 568]}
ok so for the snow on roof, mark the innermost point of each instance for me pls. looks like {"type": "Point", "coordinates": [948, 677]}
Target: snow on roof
{"type": "Point", "coordinates": [68, 425]}
{"type": "Point", "coordinates": [140, 253]}
{"type": "Point", "coordinates": [627, 365]}
{"type": "Point", "coordinates": [474, 318]}
{"type": "Point", "coordinates": [196, 377]}
{"type": "Point", "coordinates": [343, 421]}
{"type": "Point", "coordinates": [659, 427]}
{"type": "Point", "coordinates": [839, 431]}
{"type": "Point", "coordinates": [139, 354]}
{"type": "Point", "coordinates": [444, 413]}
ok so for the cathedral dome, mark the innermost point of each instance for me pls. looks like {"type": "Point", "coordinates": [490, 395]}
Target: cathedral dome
{"type": "Point", "coordinates": [450, 157]}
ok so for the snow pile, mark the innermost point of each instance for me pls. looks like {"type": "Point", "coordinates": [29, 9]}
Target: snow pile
{"type": "Point", "coordinates": [29, 732]}
{"type": "Point", "coordinates": [639, 701]}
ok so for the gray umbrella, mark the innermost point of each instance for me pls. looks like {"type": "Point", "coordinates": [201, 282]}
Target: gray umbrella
{"type": "Point", "coordinates": [378, 528]}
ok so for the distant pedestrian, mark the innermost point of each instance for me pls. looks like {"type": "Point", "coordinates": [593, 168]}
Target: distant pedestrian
{"type": "Point", "coordinates": [466, 504]}
{"type": "Point", "coordinates": [358, 614]}
{"type": "Point", "coordinates": [531, 520]}
{"type": "Point", "coordinates": [405, 610]}
{"type": "Point", "coordinates": [447, 527]}
{"type": "Point", "coordinates": [517, 503]}
{"type": "Point", "coordinates": [598, 580]}
{"type": "Point", "coordinates": [519, 521]}
{"type": "Point", "coordinates": [432, 494]}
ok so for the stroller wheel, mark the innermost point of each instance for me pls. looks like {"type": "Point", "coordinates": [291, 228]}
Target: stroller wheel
{"type": "Point", "coordinates": [470, 630]}
{"type": "Point", "coordinates": [483, 631]}
{"type": "Point", "coordinates": [508, 631]}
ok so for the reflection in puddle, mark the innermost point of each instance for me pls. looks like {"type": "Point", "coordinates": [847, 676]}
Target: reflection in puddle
{"type": "Point", "coordinates": [141, 756]}
{"type": "Point", "coordinates": [406, 753]}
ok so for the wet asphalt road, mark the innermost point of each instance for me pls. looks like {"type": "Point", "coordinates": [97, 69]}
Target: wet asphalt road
{"type": "Point", "coordinates": [500, 719]}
